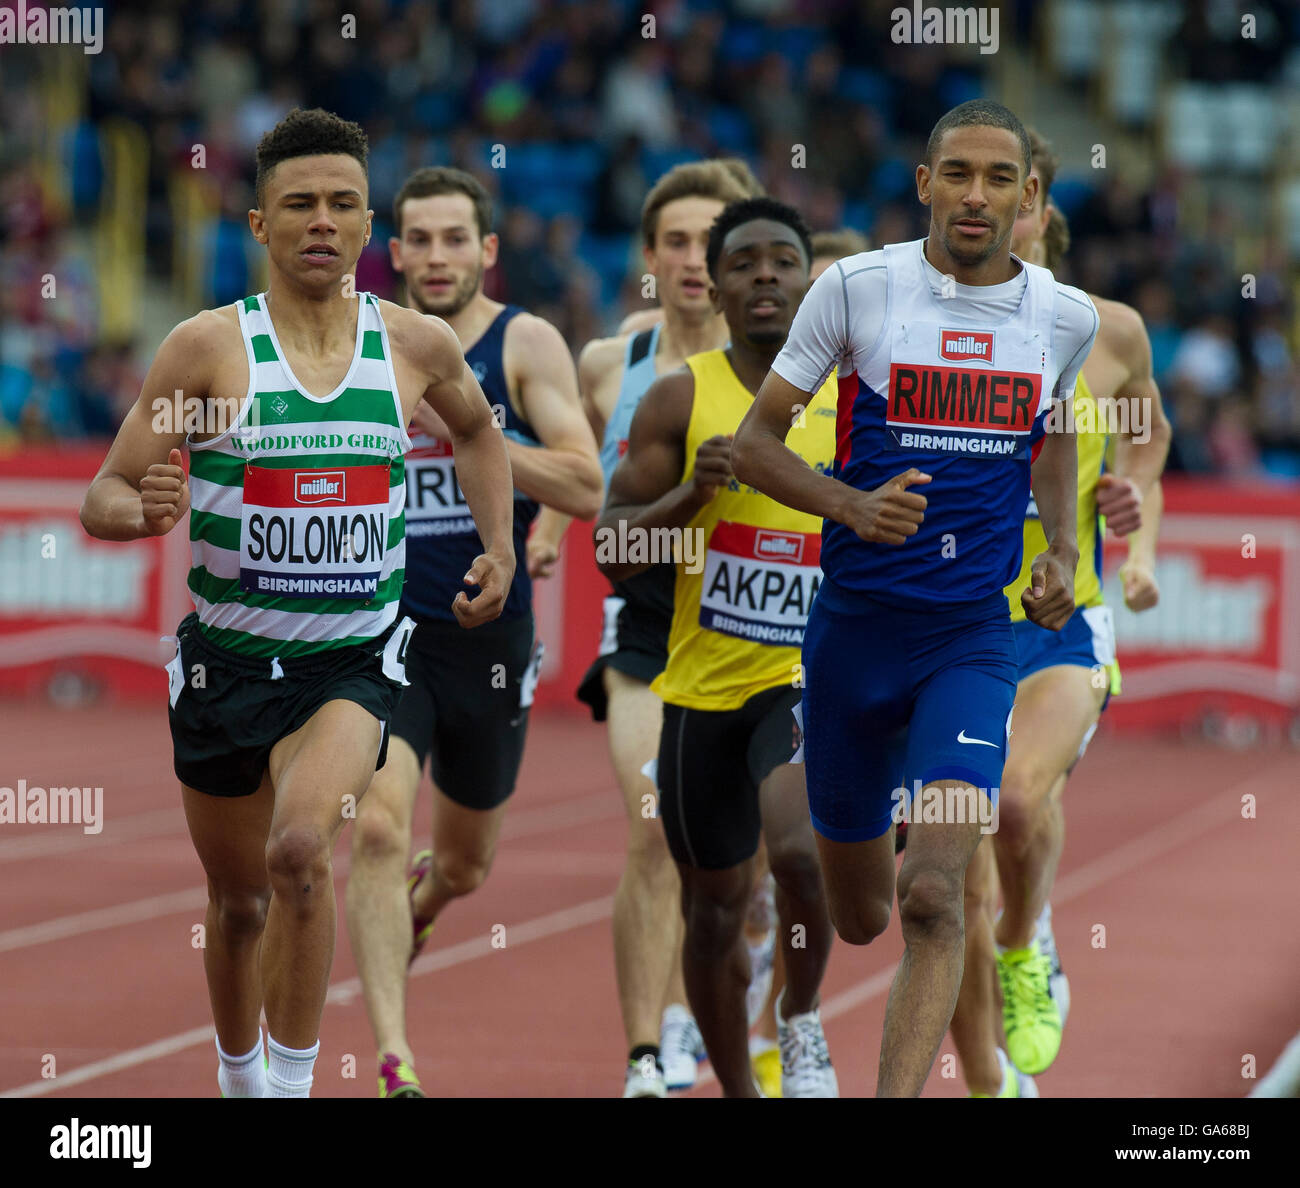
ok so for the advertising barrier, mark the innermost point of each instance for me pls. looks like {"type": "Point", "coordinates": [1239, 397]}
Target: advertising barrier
{"type": "Point", "coordinates": [80, 617]}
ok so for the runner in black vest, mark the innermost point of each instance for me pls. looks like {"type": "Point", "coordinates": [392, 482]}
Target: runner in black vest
{"type": "Point", "coordinates": [467, 707]}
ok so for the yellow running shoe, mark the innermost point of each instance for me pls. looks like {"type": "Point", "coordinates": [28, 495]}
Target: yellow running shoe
{"type": "Point", "coordinates": [766, 1064]}
{"type": "Point", "coordinates": [1031, 1017]}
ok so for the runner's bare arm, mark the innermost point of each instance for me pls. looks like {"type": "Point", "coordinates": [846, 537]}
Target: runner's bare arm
{"type": "Point", "coordinates": [482, 467]}
{"type": "Point", "coordinates": [600, 368]}
{"type": "Point", "coordinates": [1054, 477]}
{"type": "Point", "coordinates": [761, 458]}
{"type": "Point", "coordinates": [887, 515]}
{"type": "Point", "coordinates": [1143, 445]}
{"type": "Point", "coordinates": [646, 490]}
{"type": "Point", "coordinates": [544, 542]}
{"type": "Point", "coordinates": [140, 489]}
{"type": "Point", "coordinates": [564, 471]}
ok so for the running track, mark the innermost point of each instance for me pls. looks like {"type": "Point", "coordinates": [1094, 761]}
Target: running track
{"type": "Point", "coordinates": [98, 970]}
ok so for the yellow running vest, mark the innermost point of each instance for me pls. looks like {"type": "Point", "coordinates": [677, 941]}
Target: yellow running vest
{"type": "Point", "coordinates": [738, 620]}
{"type": "Point", "coordinates": [1091, 438]}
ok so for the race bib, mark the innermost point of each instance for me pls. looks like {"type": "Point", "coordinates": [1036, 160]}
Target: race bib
{"type": "Point", "coordinates": [435, 504]}
{"type": "Point", "coordinates": [313, 533]}
{"type": "Point", "coordinates": [759, 583]}
{"type": "Point", "coordinates": [969, 392]}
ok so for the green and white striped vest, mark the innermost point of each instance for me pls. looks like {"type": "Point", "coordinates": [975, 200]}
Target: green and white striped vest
{"type": "Point", "coordinates": [297, 531]}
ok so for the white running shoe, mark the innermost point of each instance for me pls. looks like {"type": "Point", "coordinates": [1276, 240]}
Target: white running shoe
{"type": "Point", "coordinates": [681, 1047]}
{"type": "Point", "coordinates": [1058, 984]}
{"type": "Point", "coordinates": [644, 1079]}
{"type": "Point", "coordinates": [805, 1063]}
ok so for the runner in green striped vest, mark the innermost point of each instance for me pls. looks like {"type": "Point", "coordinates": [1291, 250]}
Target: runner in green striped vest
{"type": "Point", "coordinates": [287, 674]}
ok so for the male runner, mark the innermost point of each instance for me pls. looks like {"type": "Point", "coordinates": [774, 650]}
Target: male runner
{"type": "Point", "coordinates": [1064, 683]}
{"type": "Point", "coordinates": [730, 684]}
{"type": "Point", "coordinates": [467, 707]}
{"type": "Point", "coordinates": [285, 680]}
{"type": "Point", "coordinates": [768, 969]}
{"type": "Point", "coordinates": [614, 374]}
{"type": "Point", "coordinates": [950, 354]}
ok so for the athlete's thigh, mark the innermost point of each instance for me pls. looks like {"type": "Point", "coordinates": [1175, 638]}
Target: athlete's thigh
{"type": "Point", "coordinates": [332, 755]}
{"type": "Point", "coordinates": [229, 835]}
{"type": "Point", "coordinates": [857, 874]}
{"type": "Point", "coordinates": [394, 786]}
{"type": "Point", "coordinates": [469, 834]}
{"type": "Point", "coordinates": [1055, 709]}
{"type": "Point", "coordinates": [982, 877]}
{"type": "Point", "coordinates": [941, 847]}
{"type": "Point", "coordinates": [635, 719]}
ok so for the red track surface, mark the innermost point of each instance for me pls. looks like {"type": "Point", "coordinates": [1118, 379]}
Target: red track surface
{"type": "Point", "coordinates": [98, 970]}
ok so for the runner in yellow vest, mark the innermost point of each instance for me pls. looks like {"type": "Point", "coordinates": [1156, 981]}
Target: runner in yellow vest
{"type": "Point", "coordinates": [746, 575]}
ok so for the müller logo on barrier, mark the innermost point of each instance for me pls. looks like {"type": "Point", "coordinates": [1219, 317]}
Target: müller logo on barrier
{"type": "Point", "coordinates": [328, 486]}
{"type": "Point", "coordinates": [786, 546]}
{"type": "Point", "coordinates": [960, 345]}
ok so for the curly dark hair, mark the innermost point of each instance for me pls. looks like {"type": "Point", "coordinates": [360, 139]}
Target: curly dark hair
{"type": "Point", "coordinates": [308, 133]}
{"type": "Point", "coordinates": [746, 211]}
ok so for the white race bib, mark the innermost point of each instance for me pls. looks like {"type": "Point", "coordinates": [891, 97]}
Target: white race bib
{"type": "Point", "coordinates": [759, 583]}
{"type": "Point", "coordinates": [314, 533]}
{"type": "Point", "coordinates": [435, 504]}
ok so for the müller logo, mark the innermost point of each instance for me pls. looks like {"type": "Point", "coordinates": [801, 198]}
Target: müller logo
{"type": "Point", "coordinates": [966, 344]}
{"type": "Point", "coordinates": [322, 487]}
{"type": "Point", "coordinates": [788, 546]}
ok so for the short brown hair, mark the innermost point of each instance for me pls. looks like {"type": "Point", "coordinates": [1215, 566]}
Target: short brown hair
{"type": "Point", "coordinates": [1043, 159]}
{"type": "Point", "coordinates": [841, 243]}
{"type": "Point", "coordinates": [442, 179]}
{"type": "Point", "coordinates": [719, 180]}
{"type": "Point", "coordinates": [1056, 238]}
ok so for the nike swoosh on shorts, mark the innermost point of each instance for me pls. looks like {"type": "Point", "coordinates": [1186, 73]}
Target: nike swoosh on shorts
{"type": "Point", "coordinates": [961, 738]}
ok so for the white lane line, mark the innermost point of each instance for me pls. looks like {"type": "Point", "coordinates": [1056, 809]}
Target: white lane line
{"type": "Point", "coordinates": [535, 821]}
{"type": "Point", "coordinates": [68, 839]}
{"type": "Point", "coordinates": [564, 920]}
{"type": "Point", "coordinates": [1133, 853]}
{"type": "Point", "coordinates": [1220, 810]}
{"type": "Point", "coordinates": [195, 898]}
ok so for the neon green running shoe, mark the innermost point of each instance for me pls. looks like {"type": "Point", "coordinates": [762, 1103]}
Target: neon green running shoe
{"type": "Point", "coordinates": [1031, 1017]}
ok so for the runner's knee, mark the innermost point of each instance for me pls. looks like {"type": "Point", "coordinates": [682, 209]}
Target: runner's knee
{"type": "Point", "coordinates": [379, 833]}
{"type": "Point", "coordinates": [861, 922]}
{"type": "Point", "coordinates": [241, 912]}
{"type": "Point", "coordinates": [298, 858]}
{"type": "Point", "coordinates": [795, 869]}
{"type": "Point", "coordinates": [930, 905]}
{"type": "Point", "coordinates": [459, 875]}
{"type": "Point", "coordinates": [1021, 801]}
{"type": "Point", "coordinates": [714, 918]}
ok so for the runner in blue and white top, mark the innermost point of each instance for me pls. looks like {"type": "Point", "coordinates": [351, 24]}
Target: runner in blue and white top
{"type": "Point", "coordinates": [950, 353]}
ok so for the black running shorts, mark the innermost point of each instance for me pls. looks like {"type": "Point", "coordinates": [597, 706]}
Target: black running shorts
{"type": "Point", "coordinates": [227, 711]}
{"type": "Point", "coordinates": [634, 635]}
{"type": "Point", "coordinates": [710, 766]}
{"type": "Point", "coordinates": [467, 706]}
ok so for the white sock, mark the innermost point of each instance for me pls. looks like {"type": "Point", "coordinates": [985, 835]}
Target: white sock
{"type": "Point", "coordinates": [242, 1076]}
{"type": "Point", "coordinates": [758, 1044]}
{"type": "Point", "coordinates": [290, 1071]}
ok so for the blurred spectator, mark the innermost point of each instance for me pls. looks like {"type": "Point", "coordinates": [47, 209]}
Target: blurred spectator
{"type": "Point", "coordinates": [592, 106]}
